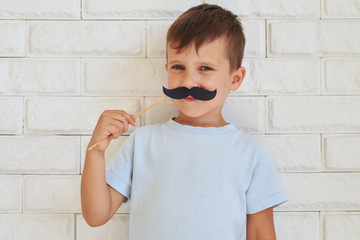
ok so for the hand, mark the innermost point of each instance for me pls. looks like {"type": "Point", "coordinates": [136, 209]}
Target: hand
{"type": "Point", "coordinates": [111, 124]}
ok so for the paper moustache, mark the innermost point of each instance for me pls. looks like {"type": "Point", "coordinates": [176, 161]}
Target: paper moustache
{"type": "Point", "coordinates": [195, 92]}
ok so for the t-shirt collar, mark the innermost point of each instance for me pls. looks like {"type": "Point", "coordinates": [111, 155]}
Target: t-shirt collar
{"type": "Point", "coordinates": [201, 130]}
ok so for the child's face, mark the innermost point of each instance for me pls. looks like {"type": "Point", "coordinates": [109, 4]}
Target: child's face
{"type": "Point", "coordinates": [208, 69]}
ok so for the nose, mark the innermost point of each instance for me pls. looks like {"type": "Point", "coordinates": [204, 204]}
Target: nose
{"type": "Point", "coordinates": [190, 79]}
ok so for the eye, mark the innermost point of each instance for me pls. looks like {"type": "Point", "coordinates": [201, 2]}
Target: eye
{"type": "Point", "coordinates": [177, 67]}
{"type": "Point", "coordinates": [205, 68]}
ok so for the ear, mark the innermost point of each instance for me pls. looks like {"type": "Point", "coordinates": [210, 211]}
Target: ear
{"type": "Point", "coordinates": [166, 67]}
{"type": "Point", "coordinates": [237, 78]}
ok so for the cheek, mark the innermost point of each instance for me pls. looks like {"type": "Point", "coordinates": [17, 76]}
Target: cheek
{"type": "Point", "coordinates": [209, 83]}
{"type": "Point", "coordinates": [215, 82]}
{"type": "Point", "coordinates": [222, 91]}
{"type": "Point", "coordinates": [173, 77]}
{"type": "Point", "coordinates": [221, 95]}
{"type": "Point", "coordinates": [171, 81]}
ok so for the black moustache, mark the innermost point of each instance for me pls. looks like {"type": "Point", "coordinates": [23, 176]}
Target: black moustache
{"type": "Point", "coordinates": [195, 92]}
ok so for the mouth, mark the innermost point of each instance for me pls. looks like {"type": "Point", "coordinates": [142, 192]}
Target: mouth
{"type": "Point", "coordinates": [190, 99]}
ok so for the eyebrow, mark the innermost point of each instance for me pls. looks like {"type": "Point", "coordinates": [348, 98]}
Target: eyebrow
{"type": "Point", "coordinates": [208, 63]}
{"type": "Point", "coordinates": [172, 62]}
{"type": "Point", "coordinates": [201, 63]}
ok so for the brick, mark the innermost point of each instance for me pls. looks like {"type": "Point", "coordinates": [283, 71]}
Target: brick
{"type": "Point", "coordinates": [313, 38]}
{"type": "Point", "coordinates": [255, 44]}
{"type": "Point", "coordinates": [11, 194]}
{"type": "Point", "coordinates": [272, 8]}
{"type": "Point", "coordinates": [12, 38]}
{"type": "Point", "coordinates": [296, 38]}
{"type": "Point", "coordinates": [72, 115]}
{"type": "Point", "coordinates": [124, 77]}
{"type": "Point", "coordinates": [254, 31]}
{"type": "Point", "coordinates": [37, 226]}
{"type": "Point", "coordinates": [297, 226]}
{"type": "Point", "coordinates": [116, 228]}
{"type": "Point", "coordinates": [321, 191]}
{"type": "Point", "coordinates": [102, 38]}
{"type": "Point", "coordinates": [272, 76]}
{"type": "Point", "coordinates": [52, 194]}
{"type": "Point", "coordinates": [40, 9]}
{"type": "Point", "coordinates": [246, 113]}
{"type": "Point", "coordinates": [341, 76]}
{"type": "Point", "coordinates": [313, 114]}
{"type": "Point", "coordinates": [341, 226]}
{"type": "Point", "coordinates": [156, 38]}
{"type": "Point", "coordinates": [6, 221]}
{"type": "Point", "coordinates": [341, 152]}
{"type": "Point", "coordinates": [39, 76]}
{"type": "Point", "coordinates": [294, 153]}
{"type": "Point", "coordinates": [340, 38]}
{"type": "Point", "coordinates": [112, 9]}
{"type": "Point", "coordinates": [11, 116]}
{"type": "Point", "coordinates": [39, 154]}
{"type": "Point", "coordinates": [340, 9]}
{"type": "Point", "coordinates": [161, 112]}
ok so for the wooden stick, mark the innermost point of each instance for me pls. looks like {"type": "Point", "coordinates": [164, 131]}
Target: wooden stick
{"type": "Point", "coordinates": [150, 106]}
{"type": "Point", "coordinates": [133, 117]}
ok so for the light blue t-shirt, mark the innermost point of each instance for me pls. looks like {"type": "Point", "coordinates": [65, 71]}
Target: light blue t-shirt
{"type": "Point", "coordinates": [193, 183]}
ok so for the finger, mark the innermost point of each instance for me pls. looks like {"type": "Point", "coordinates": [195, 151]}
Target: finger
{"type": "Point", "coordinates": [125, 124]}
{"type": "Point", "coordinates": [122, 125]}
{"type": "Point", "coordinates": [120, 121]}
{"type": "Point", "coordinates": [116, 135]}
{"type": "Point", "coordinates": [130, 118]}
{"type": "Point", "coordinates": [122, 115]}
{"type": "Point", "coordinates": [121, 128]}
{"type": "Point", "coordinates": [116, 129]}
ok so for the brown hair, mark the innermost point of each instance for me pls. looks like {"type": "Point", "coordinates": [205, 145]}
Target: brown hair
{"type": "Point", "coordinates": [205, 23]}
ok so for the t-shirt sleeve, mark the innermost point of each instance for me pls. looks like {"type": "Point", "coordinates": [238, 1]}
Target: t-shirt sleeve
{"type": "Point", "coordinates": [118, 170]}
{"type": "Point", "coordinates": [265, 189]}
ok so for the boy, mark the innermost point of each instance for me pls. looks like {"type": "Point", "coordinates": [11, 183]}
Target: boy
{"type": "Point", "coordinates": [195, 176]}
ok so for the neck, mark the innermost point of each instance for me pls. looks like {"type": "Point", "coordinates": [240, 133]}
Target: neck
{"type": "Point", "coordinates": [209, 121]}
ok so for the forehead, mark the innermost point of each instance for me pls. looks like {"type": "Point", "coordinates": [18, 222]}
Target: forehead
{"type": "Point", "coordinates": [215, 50]}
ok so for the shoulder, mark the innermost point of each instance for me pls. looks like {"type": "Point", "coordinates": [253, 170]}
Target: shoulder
{"type": "Point", "coordinates": [250, 146]}
{"type": "Point", "coordinates": [247, 139]}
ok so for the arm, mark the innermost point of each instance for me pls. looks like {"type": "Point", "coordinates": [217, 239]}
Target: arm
{"type": "Point", "coordinates": [260, 225]}
{"type": "Point", "coordinates": [99, 201]}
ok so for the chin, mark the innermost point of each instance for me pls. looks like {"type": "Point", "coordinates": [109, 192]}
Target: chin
{"type": "Point", "coordinates": [195, 109]}
{"type": "Point", "coordinates": [189, 111]}
{"type": "Point", "coordinates": [192, 114]}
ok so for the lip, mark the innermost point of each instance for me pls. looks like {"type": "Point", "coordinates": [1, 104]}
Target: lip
{"type": "Point", "coordinates": [190, 99]}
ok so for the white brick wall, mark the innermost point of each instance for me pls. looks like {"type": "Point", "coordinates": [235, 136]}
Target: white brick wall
{"type": "Point", "coordinates": [12, 38]}
{"type": "Point", "coordinates": [313, 38]}
{"type": "Point", "coordinates": [63, 62]}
